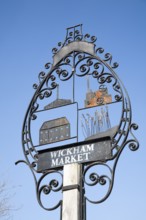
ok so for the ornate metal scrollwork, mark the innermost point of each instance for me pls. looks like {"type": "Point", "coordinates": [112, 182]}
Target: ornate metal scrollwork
{"type": "Point", "coordinates": [95, 179]}
{"type": "Point", "coordinates": [54, 185]}
{"type": "Point", "coordinates": [79, 61]}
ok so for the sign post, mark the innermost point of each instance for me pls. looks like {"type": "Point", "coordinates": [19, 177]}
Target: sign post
{"type": "Point", "coordinates": [71, 192]}
{"type": "Point", "coordinates": [73, 142]}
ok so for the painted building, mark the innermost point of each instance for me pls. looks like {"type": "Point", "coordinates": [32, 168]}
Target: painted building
{"type": "Point", "coordinates": [98, 97]}
{"type": "Point", "coordinates": [54, 130]}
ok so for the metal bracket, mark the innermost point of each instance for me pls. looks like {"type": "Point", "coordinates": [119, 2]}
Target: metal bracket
{"type": "Point", "coordinates": [70, 187]}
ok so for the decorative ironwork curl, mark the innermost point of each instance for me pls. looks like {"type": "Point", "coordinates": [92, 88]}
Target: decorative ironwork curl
{"type": "Point", "coordinates": [84, 69]}
{"type": "Point", "coordinates": [50, 82]}
{"type": "Point", "coordinates": [41, 76]}
{"type": "Point", "coordinates": [115, 65]}
{"type": "Point", "coordinates": [48, 66]}
{"type": "Point", "coordinates": [134, 144]}
{"type": "Point", "coordinates": [89, 63]}
{"type": "Point", "coordinates": [45, 93]}
{"type": "Point", "coordinates": [70, 38]}
{"type": "Point", "coordinates": [67, 60]}
{"type": "Point", "coordinates": [107, 57]}
{"type": "Point", "coordinates": [78, 56]}
{"type": "Point", "coordinates": [90, 39]}
{"type": "Point", "coordinates": [96, 179]}
{"type": "Point", "coordinates": [54, 185]}
{"type": "Point", "coordinates": [34, 108]}
{"type": "Point", "coordinates": [64, 74]}
{"type": "Point", "coordinates": [55, 50]}
{"type": "Point", "coordinates": [35, 86]}
{"type": "Point", "coordinates": [99, 50]}
{"type": "Point", "coordinates": [78, 36]}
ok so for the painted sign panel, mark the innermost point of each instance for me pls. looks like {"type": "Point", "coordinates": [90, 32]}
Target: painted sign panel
{"type": "Point", "coordinates": [83, 152]}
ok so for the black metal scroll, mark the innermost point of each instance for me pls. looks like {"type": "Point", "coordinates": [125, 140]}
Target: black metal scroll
{"type": "Point", "coordinates": [78, 57]}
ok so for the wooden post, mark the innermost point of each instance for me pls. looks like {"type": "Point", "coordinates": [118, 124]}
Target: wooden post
{"type": "Point", "coordinates": [71, 192]}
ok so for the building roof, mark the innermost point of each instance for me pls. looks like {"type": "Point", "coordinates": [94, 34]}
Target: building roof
{"type": "Point", "coordinates": [54, 123]}
{"type": "Point", "coordinates": [57, 103]}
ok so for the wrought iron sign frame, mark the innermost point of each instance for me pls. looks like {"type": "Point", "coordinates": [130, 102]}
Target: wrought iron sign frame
{"type": "Point", "coordinates": [79, 52]}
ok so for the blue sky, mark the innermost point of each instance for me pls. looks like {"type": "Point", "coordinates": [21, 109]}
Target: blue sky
{"type": "Point", "coordinates": [29, 31]}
